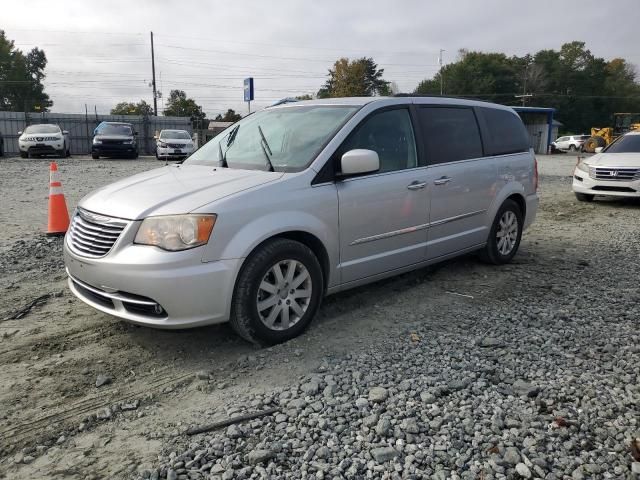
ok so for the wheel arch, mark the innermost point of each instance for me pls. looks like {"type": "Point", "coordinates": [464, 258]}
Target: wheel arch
{"type": "Point", "coordinates": [309, 240]}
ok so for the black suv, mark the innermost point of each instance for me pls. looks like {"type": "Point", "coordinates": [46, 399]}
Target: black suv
{"type": "Point", "coordinates": [114, 139]}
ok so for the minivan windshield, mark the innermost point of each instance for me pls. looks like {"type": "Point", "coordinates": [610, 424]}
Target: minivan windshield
{"type": "Point", "coordinates": [175, 134]}
{"type": "Point", "coordinates": [288, 137]}
{"type": "Point", "coordinates": [626, 144]}
{"type": "Point", "coordinates": [45, 128]}
{"type": "Point", "coordinates": [110, 129]}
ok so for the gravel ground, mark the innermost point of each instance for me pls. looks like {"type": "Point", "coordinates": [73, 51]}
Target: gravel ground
{"type": "Point", "coordinates": [462, 370]}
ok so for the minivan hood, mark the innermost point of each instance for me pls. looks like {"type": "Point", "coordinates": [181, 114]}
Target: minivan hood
{"type": "Point", "coordinates": [172, 190]}
{"type": "Point", "coordinates": [615, 160]}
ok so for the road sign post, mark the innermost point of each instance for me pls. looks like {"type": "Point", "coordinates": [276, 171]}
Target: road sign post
{"type": "Point", "coordinates": [248, 91]}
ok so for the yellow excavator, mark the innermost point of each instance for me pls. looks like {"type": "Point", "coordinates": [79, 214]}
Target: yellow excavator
{"type": "Point", "coordinates": [601, 137]}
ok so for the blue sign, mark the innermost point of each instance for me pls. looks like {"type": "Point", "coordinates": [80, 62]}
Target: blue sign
{"type": "Point", "coordinates": [248, 89]}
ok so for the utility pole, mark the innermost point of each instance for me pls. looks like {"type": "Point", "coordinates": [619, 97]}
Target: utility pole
{"type": "Point", "coordinates": [153, 80]}
{"type": "Point", "coordinates": [441, 73]}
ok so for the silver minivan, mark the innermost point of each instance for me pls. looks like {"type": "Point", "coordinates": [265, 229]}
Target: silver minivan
{"type": "Point", "coordinates": [299, 201]}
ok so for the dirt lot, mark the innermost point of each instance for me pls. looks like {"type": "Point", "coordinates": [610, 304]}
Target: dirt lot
{"type": "Point", "coordinates": [58, 424]}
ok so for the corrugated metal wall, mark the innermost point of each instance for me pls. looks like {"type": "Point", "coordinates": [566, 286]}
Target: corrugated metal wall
{"type": "Point", "coordinates": [538, 133]}
{"type": "Point", "coordinates": [81, 128]}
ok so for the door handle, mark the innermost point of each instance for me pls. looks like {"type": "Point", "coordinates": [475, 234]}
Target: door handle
{"type": "Point", "coordinates": [442, 181]}
{"type": "Point", "coordinates": [416, 185]}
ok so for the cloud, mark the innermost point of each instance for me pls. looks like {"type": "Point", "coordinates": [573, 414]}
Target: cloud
{"type": "Point", "coordinates": [99, 52]}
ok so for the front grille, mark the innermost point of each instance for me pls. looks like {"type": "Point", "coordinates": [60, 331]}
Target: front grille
{"type": "Point", "coordinates": [615, 173]}
{"type": "Point", "coordinates": [175, 145]}
{"type": "Point", "coordinates": [112, 142]}
{"type": "Point", "coordinates": [93, 235]}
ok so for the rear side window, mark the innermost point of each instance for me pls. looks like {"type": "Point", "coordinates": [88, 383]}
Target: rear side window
{"type": "Point", "coordinates": [451, 134]}
{"type": "Point", "coordinates": [505, 132]}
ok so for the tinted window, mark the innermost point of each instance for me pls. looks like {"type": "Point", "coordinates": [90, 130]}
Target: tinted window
{"type": "Point", "coordinates": [390, 134]}
{"type": "Point", "coordinates": [626, 144]}
{"type": "Point", "coordinates": [505, 132]}
{"type": "Point", "coordinates": [113, 129]}
{"type": "Point", "coordinates": [451, 134]}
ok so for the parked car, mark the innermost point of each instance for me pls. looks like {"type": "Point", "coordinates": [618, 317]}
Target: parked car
{"type": "Point", "coordinates": [114, 139]}
{"type": "Point", "coordinates": [1, 145]}
{"type": "Point", "coordinates": [613, 171]}
{"type": "Point", "coordinates": [302, 200]}
{"type": "Point", "coordinates": [173, 144]}
{"type": "Point", "coordinates": [44, 139]}
{"type": "Point", "coordinates": [570, 142]}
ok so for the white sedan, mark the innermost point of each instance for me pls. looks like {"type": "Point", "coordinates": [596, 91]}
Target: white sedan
{"type": "Point", "coordinates": [613, 171]}
{"type": "Point", "coordinates": [174, 144]}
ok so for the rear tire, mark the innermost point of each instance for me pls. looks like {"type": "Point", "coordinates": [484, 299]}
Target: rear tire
{"type": "Point", "coordinates": [572, 148]}
{"type": "Point", "coordinates": [505, 234]}
{"type": "Point", "coordinates": [584, 197]}
{"type": "Point", "coordinates": [278, 275]}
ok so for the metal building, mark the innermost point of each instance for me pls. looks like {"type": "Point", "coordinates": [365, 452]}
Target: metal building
{"type": "Point", "coordinates": [539, 123]}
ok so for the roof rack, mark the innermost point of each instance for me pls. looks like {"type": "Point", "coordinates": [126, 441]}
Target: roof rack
{"type": "Point", "coordinates": [433, 95]}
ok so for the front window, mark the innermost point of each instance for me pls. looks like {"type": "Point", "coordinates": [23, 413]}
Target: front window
{"type": "Point", "coordinates": [34, 129]}
{"type": "Point", "coordinates": [175, 134]}
{"type": "Point", "coordinates": [625, 144]}
{"type": "Point", "coordinates": [109, 129]}
{"type": "Point", "coordinates": [287, 137]}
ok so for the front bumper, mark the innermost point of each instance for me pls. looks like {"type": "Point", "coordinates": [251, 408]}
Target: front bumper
{"type": "Point", "coordinates": [147, 286]}
{"type": "Point", "coordinates": [168, 152]}
{"type": "Point", "coordinates": [583, 183]}
{"type": "Point", "coordinates": [42, 148]}
{"type": "Point", "coordinates": [114, 150]}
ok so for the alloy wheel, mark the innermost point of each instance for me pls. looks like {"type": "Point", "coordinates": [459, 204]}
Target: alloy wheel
{"type": "Point", "coordinates": [507, 233]}
{"type": "Point", "coordinates": [284, 294]}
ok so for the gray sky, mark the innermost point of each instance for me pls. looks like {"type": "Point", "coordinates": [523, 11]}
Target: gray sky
{"type": "Point", "coordinates": [99, 52]}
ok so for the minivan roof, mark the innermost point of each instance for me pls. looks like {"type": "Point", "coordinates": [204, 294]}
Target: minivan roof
{"type": "Point", "coordinates": [361, 101]}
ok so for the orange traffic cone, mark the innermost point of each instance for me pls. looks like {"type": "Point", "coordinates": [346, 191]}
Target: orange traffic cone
{"type": "Point", "coordinates": [58, 214]}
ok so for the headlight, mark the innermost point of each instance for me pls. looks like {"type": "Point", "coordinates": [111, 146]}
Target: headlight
{"type": "Point", "coordinates": [583, 166]}
{"type": "Point", "coordinates": [97, 141]}
{"type": "Point", "coordinates": [176, 232]}
{"type": "Point", "coordinates": [162, 144]}
{"type": "Point", "coordinates": [128, 142]}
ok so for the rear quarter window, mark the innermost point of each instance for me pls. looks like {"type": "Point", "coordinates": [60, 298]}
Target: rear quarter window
{"type": "Point", "coordinates": [504, 132]}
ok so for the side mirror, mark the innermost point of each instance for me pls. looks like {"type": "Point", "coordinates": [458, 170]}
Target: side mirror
{"type": "Point", "coordinates": [599, 149]}
{"type": "Point", "coordinates": [135, 134]}
{"type": "Point", "coordinates": [358, 161]}
{"type": "Point", "coordinates": [65, 132]}
{"type": "Point", "coordinates": [20, 132]}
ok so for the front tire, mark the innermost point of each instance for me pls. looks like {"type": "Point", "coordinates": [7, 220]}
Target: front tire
{"type": "Point", "coordinates": [584, 197]}
{"type": "Point", "coordinates": [95, 156]}
{"type": "Point", "coordinates": [278, 292]}
{"type": "Point", "coordinates": [505, 234]}
{"type": "Point", "coordinates": [24, 154]}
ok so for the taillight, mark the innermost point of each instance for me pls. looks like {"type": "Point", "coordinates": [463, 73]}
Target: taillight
{"type": "Point", "coordinates": [535, 174]}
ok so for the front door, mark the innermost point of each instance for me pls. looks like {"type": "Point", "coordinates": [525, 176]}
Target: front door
{"type": "Point", "coordinates": [461, 182]}
{"type": "Point", "coordinates": [383, 216]}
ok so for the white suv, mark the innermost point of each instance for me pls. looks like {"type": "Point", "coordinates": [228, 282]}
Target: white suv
{"type": "Point", "coordinates": [44, 139]}
{"type": "Point", "coordinates": [570, 142]}
{"type": "Point", "coordinates": [173, 144]}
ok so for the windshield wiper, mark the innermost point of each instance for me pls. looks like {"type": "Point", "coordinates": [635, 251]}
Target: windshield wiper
{"type": "Point", "coordinates": [266, 149]}
{"type": "Point", "coordinates": [222, 157]}
{"type": "Point", "coordinates": [230, 139]}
